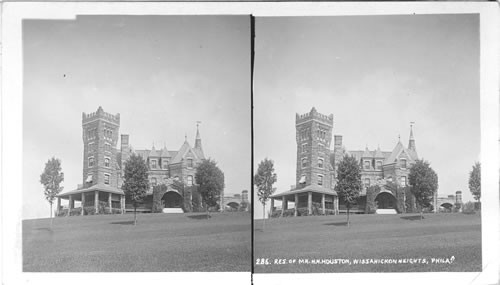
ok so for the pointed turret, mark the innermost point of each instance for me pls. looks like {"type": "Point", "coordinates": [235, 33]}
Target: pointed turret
{"type": "Point", "coordinates": [367, 152]}
{"type": "Point", "coordinates": [197, 142]}
{"type": "Point", "coordinates": [411, 143]}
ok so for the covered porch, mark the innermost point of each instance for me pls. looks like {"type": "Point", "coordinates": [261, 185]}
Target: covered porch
{"type": "Point", "coordinates": [310, 200]}
{"type": "Point", "coordinates": [98, 199]}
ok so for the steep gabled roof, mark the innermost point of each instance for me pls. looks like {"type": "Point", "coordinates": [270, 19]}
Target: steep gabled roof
{"type": "Point", "coordinates": [165, 152]}
{"type": "Point", "coordinates": [185, 148]}
{"type": "Point", "coordinates": [398, 149]}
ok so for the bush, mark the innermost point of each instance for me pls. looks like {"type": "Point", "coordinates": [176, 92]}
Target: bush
{"type": "Point", "coordinates": [75, 212]}
{"type": "Point", "coordinates": [62, 213]}
{"type": "Point", "coordinates": [468, 208]}
{"type": "Point", "coordinates": [90, 210]}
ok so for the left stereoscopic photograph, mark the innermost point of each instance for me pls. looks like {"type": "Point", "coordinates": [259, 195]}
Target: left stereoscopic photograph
{"type": "Point", "coordinates": [136, 144]}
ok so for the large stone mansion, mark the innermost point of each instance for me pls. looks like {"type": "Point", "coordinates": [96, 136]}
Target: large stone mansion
{"type": "Point", "coordinates": [104, 162]}
{"type": "Point", "coordinates": [313, 192]}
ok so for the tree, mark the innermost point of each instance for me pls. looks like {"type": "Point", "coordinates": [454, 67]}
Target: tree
{"type": "Point", "coordinates": [264, 180]}
{"type": "Point", "coordinates": [475, 181]}
{"type": "Point", "coordinates": [348, 184]}
{"type": "Point", "coordinates": [135, 183]}
{"type": "Point", "coordinates": [51, 179]}
{"type": "Point", "coordinates": [424, 183]}
{"type": "Point", "coordinates": [210, 180]}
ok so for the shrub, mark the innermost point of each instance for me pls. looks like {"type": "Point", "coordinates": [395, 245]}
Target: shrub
{"type": "Point", "coordinates": [90, 210]}
{"type": "Point", "coordinates": [75, 212]}
{"type": "Point", "coordinates": [468, 208]}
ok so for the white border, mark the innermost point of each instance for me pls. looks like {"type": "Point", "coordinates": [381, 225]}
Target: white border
{"type": "Point", "coordinates": [13, 13]}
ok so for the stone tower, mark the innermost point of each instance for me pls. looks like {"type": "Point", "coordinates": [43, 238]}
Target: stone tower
{"type": "Point", "coordinates": [100, 136]}
{"type": "Point", "coordinates": [313, 135]}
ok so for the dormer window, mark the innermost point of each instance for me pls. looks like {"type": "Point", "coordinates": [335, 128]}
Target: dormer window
{"type": "Point", "coordinates": [367, 164]}
{"type": "Point", "coordinates": [153, 163]}
{"type": "Point", "coordinates": [379, 165]}
{"type": "Point", "coordinates": [190, 162]}
{"type": "Point", "coordinates": [165, 164]}
{"type": "Point", "coordinates": [403, 163]}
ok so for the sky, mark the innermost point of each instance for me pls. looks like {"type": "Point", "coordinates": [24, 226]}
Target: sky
{"type": "Point", "coordinates": [375, 74]}
{"type": "Point", "coordinates": [161, 73]}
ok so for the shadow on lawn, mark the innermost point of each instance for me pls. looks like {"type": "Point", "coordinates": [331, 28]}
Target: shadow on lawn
{"type": "Point", "coordinates": [128, 223]}
{"type": "Point", "coordinates": [198, 217]}
{"type": "Point", "coordinates": [411, 218]}
{"type": "Point", "coordinates": [337, 224]}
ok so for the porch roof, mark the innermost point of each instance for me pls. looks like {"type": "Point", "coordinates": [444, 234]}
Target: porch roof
{"type": "Point", "coordinates": [308, 188]}
{"type": "Point", "coordinates": [98, 187]}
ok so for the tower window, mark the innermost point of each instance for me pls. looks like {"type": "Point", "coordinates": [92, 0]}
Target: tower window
{"type": "Point", "coordinates": [106, 162]}
{"type": "Point", "coordinates": [304, 162]}
{"type": "Point", "coordinates": [320, 163]}
{"type": "Point", "coordinates": [403, 163]}
{"type": "Point", "coordinates": [189, 162]}
{"type": "Point", "coordinates": [107, 147]}
{"type": "Point", "coordinates": [153, 164]}
{"type": "Point", "coordinates": [106, 179]}
{"type": "Point", "coordinates": [190, 180]}
{"type": "Point", "coordinates": [367, 164]}
{"type": "Point", "coordinates": [90, 147]}
{"type": "Point", "coordinates": [91, 161]}
{"type": "Point", "coordinates": [304, 147]}
{"type": "Point", "coordinates": [403, 181]}
{"type": "Point", "coordinates": [320, 179]}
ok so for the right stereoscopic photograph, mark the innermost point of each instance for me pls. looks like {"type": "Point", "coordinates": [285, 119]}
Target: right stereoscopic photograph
{"type": "Point", "coordinates": [367, 144]}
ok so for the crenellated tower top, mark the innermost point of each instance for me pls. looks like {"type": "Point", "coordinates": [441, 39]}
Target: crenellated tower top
{"type": "Point", "coordinates": [314, 115]}
{"type": "Point", "coordinates": [100, 114]}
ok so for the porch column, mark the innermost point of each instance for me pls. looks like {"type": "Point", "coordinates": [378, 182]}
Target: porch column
{"type": "Point", "coordinates": [309, 203]}
{"type": "Point", "coordinates": [336, 204]}
{"type": "Point", "coordinates": [122, 203]}
{"type": "Point", "coordinates": [71, 205]}
{"type": "Point", "coordinates": [83, 203]}
{"type": "Point", "coordinates": [58, 205]}
{"type": "Point", "coordinates": [96, 201]}
{"type": "Point", "coordinates": [109, 203]}
{"type": "Point", "coordinates": [283, 205]}
{"type": "Point", "coordinates": [272, 207]}
{"type": "Point", "coordinates": [296, 212]}
{"type": "Point", "coordinates": [323, 203]}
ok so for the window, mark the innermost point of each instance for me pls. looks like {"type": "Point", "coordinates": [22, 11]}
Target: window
{"type": "Point", "coordinates": [190, 180]}
{"type": "Point", "coordinates": [153, 164]}
{"type": "Point", "coordinates": [379, 165]}
{"type": "Point", "coordinates": [107, 147]}
{"type": "Point", "coordinates": [367, 182]}
{"type": "Point", "coordinates": [91, 161]}
{"type": "Point", "coordinates": [165, 164]}
{"type": "Point", "coordinates": [154, 181]}
{"type": "Point", "coordinates": [403, 181]}
{"type": "Point", "coordinates": [106, 161]}
{"type": "Point", "coordinates": [304, 162]}
{"type": "Point", "coordinates": [106, 179]}
{"type": "Point", "coordinates": [321, 147]}
{"type": "Point", "coordinates": [320, 179]}
{"type": "Point", "coordinates": [190, 162]}
{"type": "Point", "coordinates": [367, 164]}
{"type": "Point", "coordinates": [320, 163]}
{"type": "Point", "coordinates": [90, 147]}
{"type": "Point", "coordinates": [304, 148]}
{"type": "Point", "coordinates": [403, 163]}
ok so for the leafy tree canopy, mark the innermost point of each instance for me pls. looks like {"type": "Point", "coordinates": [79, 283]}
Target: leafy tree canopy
{"type": "Point", "coordinates": [424, 182]}
{"type": "Point", "coordinates": [348, 185]}
{"type": "Point", "coordinates": [264, 180]}
{"type": "Point", "coordinates": [51, 179]}
{"type": "Point", "coordinates": [135, 183]}
{"type": "Point", "coordinates": [210, 179]}
{"type": "Point", "coordinates": [475, 181]}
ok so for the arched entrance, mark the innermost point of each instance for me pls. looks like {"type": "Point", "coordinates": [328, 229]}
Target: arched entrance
{"type": "Point", "coordinates": [172, 199]}
{"type": "Point", "coordinates": [447, 207]}
{"type": "Point", "coordinates": [233, 206]}
{"type": "Point", "coordinates": [385, 200]}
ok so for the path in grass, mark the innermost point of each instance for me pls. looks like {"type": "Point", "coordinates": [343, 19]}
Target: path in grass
{"type": "Point", "coordinates": [369, 237]}
{"type": "Point", "coordinates": [159, 242]}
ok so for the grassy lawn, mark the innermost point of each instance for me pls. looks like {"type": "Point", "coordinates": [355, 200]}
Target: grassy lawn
{"type": "Point", "coordinates": [369, 237]}
{"type": "Point", "coordinates": [159, 242]}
